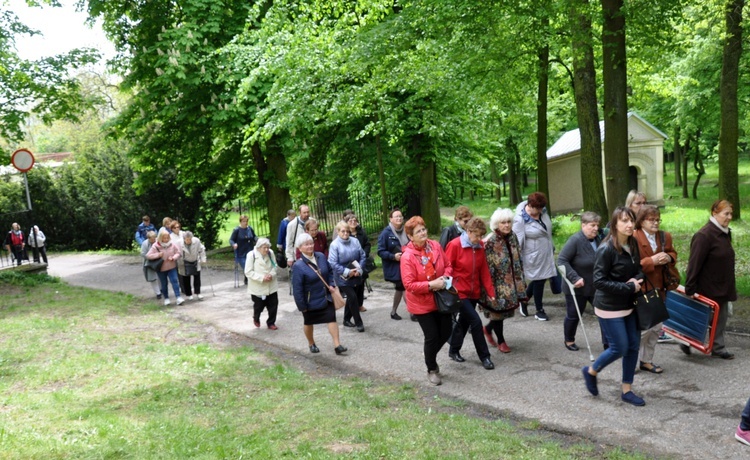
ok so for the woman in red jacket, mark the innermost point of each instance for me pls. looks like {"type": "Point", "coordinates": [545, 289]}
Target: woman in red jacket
{"type": "Point", "coordinates": [424, 269]}
{"type": "Point", "coordinates": [470, 274]}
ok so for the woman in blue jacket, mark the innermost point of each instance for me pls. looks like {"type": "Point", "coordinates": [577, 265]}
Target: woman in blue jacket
{"type": "Point", "coordinates": [391, 240]}
{"type": "Point", "coordinates": [311, 294]}
{"type": "Point", "coordinates": [346, 257]}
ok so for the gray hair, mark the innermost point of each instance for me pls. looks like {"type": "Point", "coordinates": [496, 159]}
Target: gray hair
{"type": "Point", "coordinates": [301, 239]}
{"type": "Point", "coordinates": [151, 234]}
{"type": "Point", "coordinates": [499, 216]}
{"type": "Point", "coordinates": [187, 234]}
{"type": "Point", "coordinates": [262, 242]}
{"type": "Point", "coordinates": [590, 216]}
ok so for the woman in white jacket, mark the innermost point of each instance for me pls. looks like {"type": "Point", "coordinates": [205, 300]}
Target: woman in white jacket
{"type": "Point", "coordinates": [36, 240]}
{"type": "Point", "coordinates": [262, 283]}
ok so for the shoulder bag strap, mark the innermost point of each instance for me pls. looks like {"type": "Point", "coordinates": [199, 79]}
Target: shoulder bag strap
{"type": "Point", "coordinates": [317, 272]}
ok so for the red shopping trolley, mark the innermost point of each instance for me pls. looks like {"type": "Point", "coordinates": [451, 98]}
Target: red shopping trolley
{"type": "Point", "coordinates": [692, 320]}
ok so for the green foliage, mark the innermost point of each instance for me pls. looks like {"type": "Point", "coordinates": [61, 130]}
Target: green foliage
{"type": "Point", "coordinates": [43, 87]}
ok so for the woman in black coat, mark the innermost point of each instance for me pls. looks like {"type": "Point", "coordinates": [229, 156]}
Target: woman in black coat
{"type": "Point", "coordinates": [617, 277]}
{"type": "Point", "coordinates": [390, 243]}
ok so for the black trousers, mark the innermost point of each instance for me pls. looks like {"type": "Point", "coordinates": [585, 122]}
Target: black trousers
{"type": "Point", "coordinates": [570, 324]}
{"type": "Point", "coordinates": [469, 321]}
{"type": "Point", "coordinates": [436, 327]}
{"type": "Point", "coordinates": [17, 253]}
{"type": "Point", "coordinates": [185, 284]}
{"type": "Point", "coordinates": [38, 251]}
{"type": "Point", "coordinates": [351, 310]}
{"type": "Point", "coordinates": [271, 302]}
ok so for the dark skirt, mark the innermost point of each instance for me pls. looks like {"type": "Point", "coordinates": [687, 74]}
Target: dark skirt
{"type": "Point", "coordinates": [321, 316]}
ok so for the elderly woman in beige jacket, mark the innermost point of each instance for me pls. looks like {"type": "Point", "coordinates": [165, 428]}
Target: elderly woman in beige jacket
{"type": "Point", "coordinates": [262, 283]}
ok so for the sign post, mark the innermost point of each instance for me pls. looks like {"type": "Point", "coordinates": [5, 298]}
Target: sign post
{"type": "Point", "coordinates": [23, 160]}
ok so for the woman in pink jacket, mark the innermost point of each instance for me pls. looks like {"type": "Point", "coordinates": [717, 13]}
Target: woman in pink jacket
{"type": "Point", "coordinates": [169, 252]}
{"type": "Point", "coordinates": [425, 269]}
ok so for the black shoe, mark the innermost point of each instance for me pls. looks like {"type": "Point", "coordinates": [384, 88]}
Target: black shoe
{"type": "Point", "coordinates": [314, 349]}
{"type": "Point", "coordinates": [524, 309]}
{"type": "Point", "coordinates": [572, 347]}
{"type": "Point", "coordinates": [348, 324]}
{"type": "Point", "coordinates": [340, 349]}
{"type": "Point", "coordinates": [541, 315]}
{"type": "Point", "coordinates": [723, 355]}
{"type": "Point", "coordinates": [158, 296]}
{"type": "Point", "coordinates": [685, 349]}
{"type": "Point", "coordinates": [361, 328]}
{"type": "Point", "coordinates": [487, 363]}
{"type": "Point", "coordinates": [456, 357]}
{"type": "Point", "coordinates": [395, 316]}
{"type": "Point", "coordinates": [413, 318]}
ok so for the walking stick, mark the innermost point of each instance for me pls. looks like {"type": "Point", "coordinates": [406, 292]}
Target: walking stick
{"type": "Point", "coordinates": [561, 269]}
{"type": "Point", "coordinates": [209, 280]}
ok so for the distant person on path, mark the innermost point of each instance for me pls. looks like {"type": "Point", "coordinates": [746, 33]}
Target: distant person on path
{"type": "Point", "coordinates": [242, 241]}
{"type": "Point", "coordinates": [142, 231]}
{"type": "Point", "coordinates": [14, 242]}
{"type": "Point", "coordinates": [310, 293]}
{"type": "Point", "coordinates": [710, 270]}
{"type": "Point", "coordinates": [263, 286]}
{"type": "Point", "coordinates": [657, 254]}
{"type": "Point", "coordinates": [152, 278]}
{"type": "Point", "coordinates": [294, 231]}
{"type": "Point", "coordinates": [166, 226]}
{"type": "Point", "coordinates": [189, 265]}
{"type": "Point", "coordinates": [346, 259]}
{"type": "Point", "coordinates": [390, 243]}
{"type": "Point", "coordinates": [165, 249]}
{"type": "Point", "coordinates": [356, 231]}
{"type": "Point", "coordinates": [578, 256]}
{"type": "Point", "coordinates": [320, 239]}
{"type": "Point", "coordinates": [470, 275]}
{"type": "Point", "coordinates": [617, 277]}
{"type": "Point", "coordinates": [281, 240]}
{"type": "Point", "coordinates": [506, 272]}
{"type": "Point", "coordinates": [424, 269]}
{"type": "Point", "coordinates": [533, 228]}
{"type": "Point", "coordinates": [37, 241]}
{"type": "Point", "coordinates": [460, 218]}
{"type": "Point", "coordinates": [743, 430]}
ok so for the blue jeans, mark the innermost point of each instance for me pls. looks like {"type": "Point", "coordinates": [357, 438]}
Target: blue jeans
{"type": "Point", "coordinates": [745, 423]}
{"type": "Point", "coordinates": [624, 341]}
{"type": "Point", "coordinates": [469, 320]}
{"type": "Point", "coordinates": [173, 278]}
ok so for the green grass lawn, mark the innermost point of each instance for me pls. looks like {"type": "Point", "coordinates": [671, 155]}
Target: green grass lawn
{"type": "Point", "coordinates": [94, 374]}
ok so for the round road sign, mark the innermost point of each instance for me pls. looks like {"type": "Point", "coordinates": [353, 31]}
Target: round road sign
{"type": "Point", "coordinates": [22, 160]}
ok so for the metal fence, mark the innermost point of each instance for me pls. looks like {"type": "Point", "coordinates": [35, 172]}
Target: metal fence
{"type": "Point", "coordinates": [328, 210]}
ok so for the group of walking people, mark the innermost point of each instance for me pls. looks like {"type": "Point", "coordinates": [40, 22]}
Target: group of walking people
{"type": "Point", "coordinates": [499, 269]}
{"type": "Point", "coordinates": [171, 256]}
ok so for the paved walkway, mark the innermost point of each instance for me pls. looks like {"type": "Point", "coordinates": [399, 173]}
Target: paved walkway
{"type": "Point", "coordinates": [691, 410]}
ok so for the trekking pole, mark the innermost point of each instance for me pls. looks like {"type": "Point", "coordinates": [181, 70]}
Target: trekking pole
{"type": "Point", "coordinates": [210, 283]}
{"type": "Point", "coordinates": [561, 269]}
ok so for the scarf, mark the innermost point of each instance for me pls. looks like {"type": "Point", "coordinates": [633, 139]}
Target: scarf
{"type": "Point", "coordinates": [165, 245]}
{"type": "Point", "coordinates": [400, 234]}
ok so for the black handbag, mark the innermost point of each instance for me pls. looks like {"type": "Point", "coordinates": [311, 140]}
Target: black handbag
{"type": "Point", "coordinates": [447, 301]}
{"type": "Point", "coordinates": [191, 268]}
{"type": "Point", "coordinates": [280, 259]}
{"type": "Point", "coordinates": [154, 264]}
{"type": "Point", "coordinates": [370, 265]}
{"type": "Point", "coordinates": [649, 308]}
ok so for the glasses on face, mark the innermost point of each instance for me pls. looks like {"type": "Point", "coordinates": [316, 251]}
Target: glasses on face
{"type": "Point", "coordinates": [398, 217]}
{"type": "Point", "coordinates": [654, 221]}
{"type": "Point", "coordinates": [343, 230]}
{"type": "Point", "coordinates": [639, 203]}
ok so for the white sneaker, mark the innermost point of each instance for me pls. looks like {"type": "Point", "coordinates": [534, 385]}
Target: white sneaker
{"type": "Point", "coordinates": [167, 302]}
{"type": "Point", "coordinates": [180, 300]}
{"type": "Point", "coordinates": [190, 298]}
{"type": "Point", "coordinates": [200, 297]}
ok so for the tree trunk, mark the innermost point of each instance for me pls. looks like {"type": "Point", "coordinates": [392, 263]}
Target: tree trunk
{"type": "Point", "coordinates": [614, 72]}
{"type": "Point", "coordinates": [677, 158]}
{"type": "Point", "coordinates": [428, 196]}
{"type": "Point", "coordinates": [685, 156]}
{"type": "Point", "coordinates": [698, 165]}
{"type": "Point", "coordinates": [513, 172]}
{"type": "Point", "coordinates": [584, 85]}
{"type": "Point", "coordinates": [541, 119]}
{"type": "Point", "coordinates": [271, 169]}
{"type": "Point", "coordinates": [381, 178]}
{"type": "Point", "coordinates": [496, 193]}
{"type": "Point", "coordinates": [729, 130]}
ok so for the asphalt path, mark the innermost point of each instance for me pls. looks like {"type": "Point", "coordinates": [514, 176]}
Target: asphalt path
{"type": "Point", "coordinates": [691, 412]}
